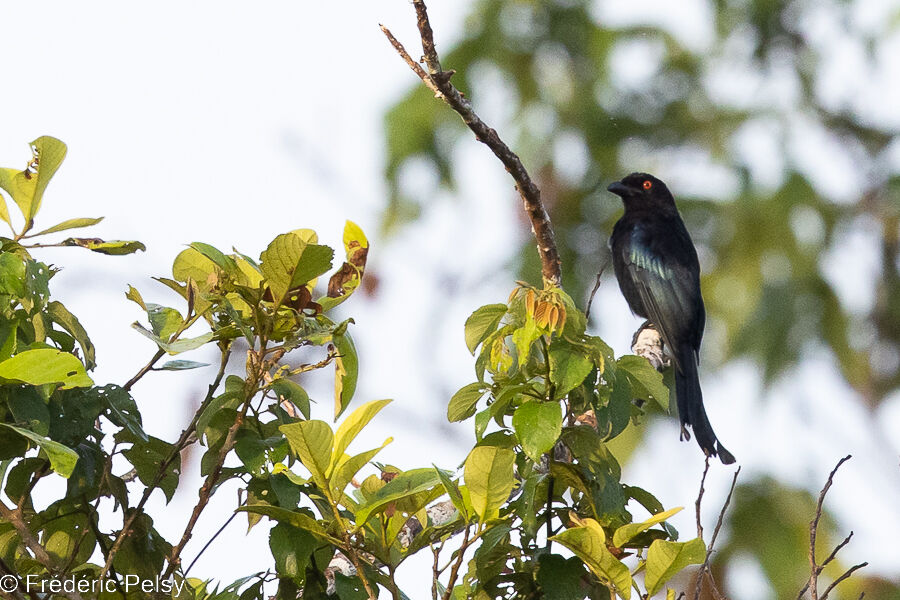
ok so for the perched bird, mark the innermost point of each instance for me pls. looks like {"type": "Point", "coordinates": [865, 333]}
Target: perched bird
{"type": "Point", "coordinates": [658, 272]}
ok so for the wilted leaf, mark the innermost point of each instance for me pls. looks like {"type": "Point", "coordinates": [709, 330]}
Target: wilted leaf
{"type": "Point", "coordinates": [114, 247]}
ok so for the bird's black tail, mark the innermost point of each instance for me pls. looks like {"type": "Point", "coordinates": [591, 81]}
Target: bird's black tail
{"type": "Point", "coordinates": [690, 407]}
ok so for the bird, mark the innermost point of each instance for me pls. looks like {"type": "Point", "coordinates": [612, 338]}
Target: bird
{"type": "Point", "coordinates": [656, 266]}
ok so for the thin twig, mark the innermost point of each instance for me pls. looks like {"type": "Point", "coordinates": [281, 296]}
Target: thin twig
{"type": "Point", "coordinates": [208, 543]}
{"type": "Point", "coordinates": [822, 566]}
{"type": "Point", "coordinates": [590, 302]}
{"type": "Point", "coordinates": [438, 81]}
{"type": "Point", "coordinates": [454, 572]}
{"type": "Point", "coordinates": [209, 484]}
{"type": "Point", "coordinates": [846, 574]}
{"type": "Point", "coordinates": [700, 498]}
{"type": "Point", "coordinates": [704, 568]}
{"type": "Point", "coordinates": [144, 370]}
{"type": "Point", "coordinates": [180, 445]}
{"type": "Point", "coordinates": [815, 569]}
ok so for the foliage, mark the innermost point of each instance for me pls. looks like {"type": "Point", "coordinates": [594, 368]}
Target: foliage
{"type": "Point", "coordinates": [536, 488]}
{"type": "Point", "coordinates": [736, 124]}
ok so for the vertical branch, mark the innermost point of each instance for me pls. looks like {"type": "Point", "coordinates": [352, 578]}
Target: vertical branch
{"type": "Point", "coordinates": [438, 81]}
{"type": "Point", "coordinates": [815, 569]}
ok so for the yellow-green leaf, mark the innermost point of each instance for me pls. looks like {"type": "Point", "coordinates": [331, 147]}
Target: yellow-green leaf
{"type": "Point", "coordinates": [626, 532]}
{"type": "Point", "coordinates": [489, 478]}
{"type": "Point", "coordinates": [27, 187]}
{"type": "Point", "coordinates": [665, 559]}
{"type": "Point", "coordinates": [351, 426]}
{"type": "Point", "coordinates": [69, 224]}
{"type": "Point", "coordinates": [62, 458]}
{"type": "Point", "coordinates": [588, 542]}
{"type": "Point", "coordinates": [346, 372]}
{"type": "Point", "coordinates": [312, 442]}
{"type": "Point", "coordinates": [345, 470]}
{"type": "Point", "coordinates": [45, 365]}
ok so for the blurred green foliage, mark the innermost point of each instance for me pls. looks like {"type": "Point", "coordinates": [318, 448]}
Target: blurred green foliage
{"type": "Point", "coordinates": [731, 123]}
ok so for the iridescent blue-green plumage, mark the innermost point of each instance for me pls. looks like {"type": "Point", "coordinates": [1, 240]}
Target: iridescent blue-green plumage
{"type": "Point", "coordinates": [658, 272]}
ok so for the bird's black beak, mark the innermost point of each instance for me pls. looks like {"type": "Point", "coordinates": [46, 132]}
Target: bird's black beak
{"type": "Point", "coordinates": [618, 188]}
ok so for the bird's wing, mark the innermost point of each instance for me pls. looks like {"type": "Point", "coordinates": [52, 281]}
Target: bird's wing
{"type": "Point", "coordinates": [669, 292]}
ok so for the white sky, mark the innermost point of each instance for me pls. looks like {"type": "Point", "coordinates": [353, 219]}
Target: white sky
{"type": "Point", "coordinates": [230, 123]}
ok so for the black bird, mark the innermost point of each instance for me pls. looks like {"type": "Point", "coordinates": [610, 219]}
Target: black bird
{"type": "Point", "coordinates": [659, 275]}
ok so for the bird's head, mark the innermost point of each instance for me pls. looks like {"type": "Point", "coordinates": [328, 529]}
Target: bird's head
{"type": "Point", "coordinates": [642, 190]}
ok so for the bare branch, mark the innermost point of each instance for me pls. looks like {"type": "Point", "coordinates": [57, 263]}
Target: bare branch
{"type": "Point", "coordinates": [700, 498]}
{"type": "Point", "coordinates": [846, 574]}
{"type": "Point", "coordinates": [816, 569]}
{"type": "Point", "coordinates": [438, 81]}
{"type": "Point", "coordinates": [704, 568]}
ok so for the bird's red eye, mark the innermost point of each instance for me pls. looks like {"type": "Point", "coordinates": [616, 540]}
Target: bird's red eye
{"type": "Point", "coordinates": [648, 185]}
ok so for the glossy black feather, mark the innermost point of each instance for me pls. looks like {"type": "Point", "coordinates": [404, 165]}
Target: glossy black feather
{"type": "Point", "coordinates": [658, 272]}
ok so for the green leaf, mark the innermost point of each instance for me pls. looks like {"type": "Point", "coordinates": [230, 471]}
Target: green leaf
{"type": "Point", "coordinates": [347, 469]}
{"type": "Point", "coordinates": [403, 485]}
{"type": "Point", "coordinates": [122, 410]}
{"type": "Point", "coordinates": [452, 491]}
{"type": "Point", "coordinates": [62, 458]}
{"type": "Point", "coordinates": [569, 365]}
{"type": "Point", "coordinates": [4, 211]}
{"type": "Point", "coordinates": [351, 426]}
{"type": "Point", "coordinates": [624, 533]}
{"type": "Point", "coordinates": [483, 322]}
{"type": "Point", "coordinates": [178, 346]}
{"type": "Point", "coordinates": [666, 559]}
{"type": "Point", "coordinates": [226, 263]}
{"type": "Point", "coordinates": [164, 321]}
{"type": "Point", "coordinates": [147, 455]}
{"type": "Point", "coordinates": [298, 519]}
{"type": "Point", "coordinates": [291, 548]}
{"type": "Point", "coordinates": [69, 224]}
{"type": "Point", "coordinates": [537, 425]}
{"type": "Point", "coordinates": [346, 372]}
{"type": "Point", "coordinates": [463, 403]}
{"type": "Point", "coordinates": [62, 317]}
{"type": "Point", "coordinates": [524, 337]}
{"type": "Point", "coordinates": [12, 275]}
{"type": "Point", "coordinates": [489, 479]}
{"type": "Point", "coordinates": [113, 247]}
{"type": "Point", "coordinates": [293, 392]}
{"type": "Point", "coordinates": [560, 579]}
{"type": "Point", "coordinates": [182, 365]}
{"type": "Point", "coordinates": [588, 542]}
{"type": "Point", "coordinates": [45, 365]}
{"type": "Point", "coordinates": [312, 442]}
{"type": "Point", "coordinates": [646, 382]}
{"type": "Point", "coordinates": [27, 187]}
{"type": "Point", "coordinates": [190, 264]}
{"type": "Point", "coordinates": [290, 261]}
